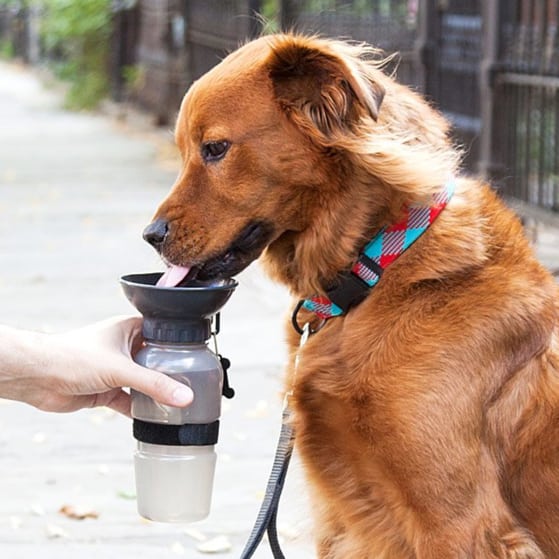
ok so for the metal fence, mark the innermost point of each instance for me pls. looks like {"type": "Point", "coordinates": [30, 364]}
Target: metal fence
{"type": "Point", "coordinates": [491, 66]}
{"type": "Point", "coordinates": [454, 72]}
{"type": "Point", "coordinates": [162, 56]}
{"type": "Point", "coordinates": [525, 138]}
{"type": "Point", "coordinates": [390, 25]}
{"type": "Point", "coordinates": [179, 40]}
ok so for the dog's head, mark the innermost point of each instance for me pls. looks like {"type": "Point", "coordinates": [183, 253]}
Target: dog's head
{"type": "Point", "coordinates": [260, 137]}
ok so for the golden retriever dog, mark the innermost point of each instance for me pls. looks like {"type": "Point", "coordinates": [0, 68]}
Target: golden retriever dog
{"type": "Point", "coordinates": [427, 413]}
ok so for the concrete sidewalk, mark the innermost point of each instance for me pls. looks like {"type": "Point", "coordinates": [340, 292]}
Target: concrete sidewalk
{"type": "Point", "coordinates": [76, 191]}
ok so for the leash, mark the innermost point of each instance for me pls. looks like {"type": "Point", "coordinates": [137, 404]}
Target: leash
{"type": "Point", "coordinates": [266, 520]}
{"type": "Point", "coordinates": [267, 515]}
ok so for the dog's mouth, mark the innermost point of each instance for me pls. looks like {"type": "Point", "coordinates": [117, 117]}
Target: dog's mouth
{"type": "Point", "coordinates": [245, 248]}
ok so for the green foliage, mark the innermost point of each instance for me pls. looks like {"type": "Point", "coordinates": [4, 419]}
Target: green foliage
{"type": "Point", "coordinates": [79, 32]}
{"type": "Point", "coordinates": [77, 21]}
{"type": "Point", "coordinates": [6, 48]}
{"type": "Point", "coordinates": [134, 77]}
{"type": "Point", "coordinates": [87, 91]}
{"type": "Point", "coordinates": [269, 12]}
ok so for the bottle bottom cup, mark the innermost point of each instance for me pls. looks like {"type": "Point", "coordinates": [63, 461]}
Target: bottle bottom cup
{"type": "Point", "coordinates": [174, 483]}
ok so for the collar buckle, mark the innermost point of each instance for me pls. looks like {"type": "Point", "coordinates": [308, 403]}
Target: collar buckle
{"type": "Point", "coordinates": [348, 291]}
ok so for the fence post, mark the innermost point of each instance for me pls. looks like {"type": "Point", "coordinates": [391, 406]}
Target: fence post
{"type": "Point", "coordinates": [255, 26]}
{"type": "Point", "coordinates": [288, 15]}
{"type": "Point", "coordinates": [488, 67]}
{"type": "Point", "coordinates": [426, 47]}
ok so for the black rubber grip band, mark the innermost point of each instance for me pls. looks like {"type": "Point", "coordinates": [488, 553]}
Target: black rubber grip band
{"type": "Point", "coordinates": [190, 434]}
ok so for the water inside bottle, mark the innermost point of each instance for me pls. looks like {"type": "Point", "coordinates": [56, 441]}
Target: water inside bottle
{"type": "Point", "coordinates": [174, 484]}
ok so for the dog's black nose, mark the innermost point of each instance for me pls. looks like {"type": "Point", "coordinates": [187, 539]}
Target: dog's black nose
{"type": "Point", "coordinates": [156, 232]}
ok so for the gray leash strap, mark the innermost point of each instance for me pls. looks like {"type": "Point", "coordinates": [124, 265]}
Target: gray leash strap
{"type": "Point", "coordinates": [267, 515]}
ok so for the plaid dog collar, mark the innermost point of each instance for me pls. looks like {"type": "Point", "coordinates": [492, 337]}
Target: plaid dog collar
{"type": "Point", "coordinates": [354, 285]}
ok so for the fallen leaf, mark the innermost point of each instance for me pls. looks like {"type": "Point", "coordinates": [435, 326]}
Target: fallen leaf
{"type": "Point", "coordinates": [78, 513]}
{"type": "Point", "coordinates": [100, 415]}
{"type": "Point", "coordinates": [97, 419]}
{"type": "Point", "coordinates": [9, 175]}
{"type": "Point", "coordinates": [54, 531]}
{"type": "Point", "coordinates": [195, 534]}
{"type": "Point", "coordinates": [37, 279]}
{"type": "Point", "coordinates": [219, 544]}
{"type": "Point", "coordinates": [260, 410]}
{"type": "Point", "coordinates": [39, 438]}
{"type": "Point", "coordinates": [288, 531]}
{"type": "Point", "coordinates": [37, 510]}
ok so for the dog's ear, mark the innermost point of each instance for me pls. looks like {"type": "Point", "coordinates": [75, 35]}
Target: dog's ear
{"type": "Point", "coordinates": [317, 85]}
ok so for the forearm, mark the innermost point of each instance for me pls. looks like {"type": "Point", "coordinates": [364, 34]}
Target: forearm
{"type": "Point", "coordinates": [24, 359]}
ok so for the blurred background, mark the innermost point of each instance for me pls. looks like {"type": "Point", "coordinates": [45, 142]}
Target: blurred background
{"type": "Point", "coordinates": [492, 67]}
{"type": "Point", "coordinates": [89, 91]}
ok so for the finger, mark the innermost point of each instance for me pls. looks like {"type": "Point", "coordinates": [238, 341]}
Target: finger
{"type": "Point", "coordinates": [117, 400]}
{"type": "Point", "coordinates": [131, 327]}
{"type": "Point", "coordinates": [158, 386]}
{"type": "Point", "coordinates": [137, 343]}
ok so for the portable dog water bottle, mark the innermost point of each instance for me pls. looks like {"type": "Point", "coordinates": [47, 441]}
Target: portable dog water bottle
{"type": "Point", "coordinates": [175, 458]}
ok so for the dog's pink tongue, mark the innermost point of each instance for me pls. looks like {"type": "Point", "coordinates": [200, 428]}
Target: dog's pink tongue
{"type": "Point", "coordinates": [173, 276]}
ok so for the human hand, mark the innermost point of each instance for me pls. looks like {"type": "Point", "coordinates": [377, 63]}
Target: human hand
{"type": "Point", "coordinates": [82, 368]}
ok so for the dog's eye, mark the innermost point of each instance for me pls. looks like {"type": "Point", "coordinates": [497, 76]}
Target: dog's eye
{"type": "Point", "coordinates": [213, 151]}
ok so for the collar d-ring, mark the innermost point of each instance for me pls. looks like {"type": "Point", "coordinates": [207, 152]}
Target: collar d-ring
{"type": "Point", "coordinates": [295, 322]}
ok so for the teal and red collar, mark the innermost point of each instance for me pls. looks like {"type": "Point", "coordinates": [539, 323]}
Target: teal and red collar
{"type": "Point", "coordinates": [354, 285]}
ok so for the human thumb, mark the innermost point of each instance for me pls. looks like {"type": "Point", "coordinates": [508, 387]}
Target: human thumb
{"type": "Point", "coordinates": [160, 387]}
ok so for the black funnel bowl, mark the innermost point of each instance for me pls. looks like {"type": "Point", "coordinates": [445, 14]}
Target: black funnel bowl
{"type": "Point", "coordinates": [176, 314]}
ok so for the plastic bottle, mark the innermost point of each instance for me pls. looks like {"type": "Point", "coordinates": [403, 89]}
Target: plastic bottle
{"type": "Point", "coordinates": [175, 457]}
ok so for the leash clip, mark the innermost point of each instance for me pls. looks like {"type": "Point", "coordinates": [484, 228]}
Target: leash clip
{"type": "Point", "coordinates": [305, 333]}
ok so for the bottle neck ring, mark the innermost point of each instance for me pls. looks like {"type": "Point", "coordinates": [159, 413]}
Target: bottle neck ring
{"type": "Point", "coordinates": [176, 331]}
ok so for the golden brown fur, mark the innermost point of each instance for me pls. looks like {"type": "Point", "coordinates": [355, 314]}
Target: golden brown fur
{"type": "Point", "coordinates": [428, 417]}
